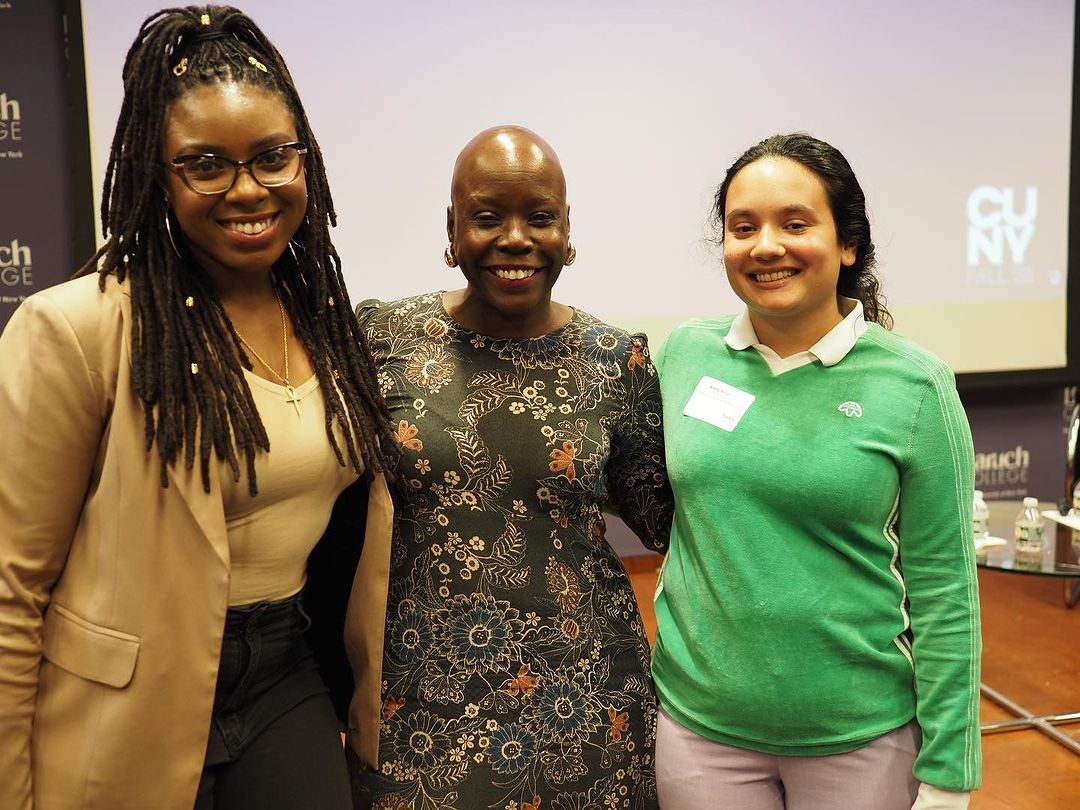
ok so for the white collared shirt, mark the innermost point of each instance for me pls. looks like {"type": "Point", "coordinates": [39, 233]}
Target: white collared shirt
{"type": "Point", "coordinates": [830, 350]}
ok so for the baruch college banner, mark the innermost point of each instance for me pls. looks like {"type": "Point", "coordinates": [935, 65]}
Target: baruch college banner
{"type": "Point", "coordinates": [45, 220]}
{"type": "Point", "coordinates": [1020, 442]}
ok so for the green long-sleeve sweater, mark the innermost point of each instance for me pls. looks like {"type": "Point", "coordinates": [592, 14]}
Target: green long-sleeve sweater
{"type": "Point", "coordinates": [820, 589]}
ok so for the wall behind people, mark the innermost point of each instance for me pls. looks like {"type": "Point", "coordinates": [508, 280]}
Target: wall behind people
{"type": "Point", "coordinates": [955, 115]}
{"type": "Point", "coordinates": [45, 220]}
{"type": "Point", "coordinates": [638, 212]}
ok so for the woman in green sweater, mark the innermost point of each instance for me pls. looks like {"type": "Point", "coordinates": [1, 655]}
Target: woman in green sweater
{"type": "Point", "coordinates": [818, 643]}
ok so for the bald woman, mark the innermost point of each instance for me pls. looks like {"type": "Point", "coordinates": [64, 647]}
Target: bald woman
{"type": "Point", "coordinates": [516, 669]}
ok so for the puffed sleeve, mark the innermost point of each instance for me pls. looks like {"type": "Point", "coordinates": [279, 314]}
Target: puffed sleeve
{"type": "Point", "coordinates": [636, 473]}
{"type": "Point", "coordinates": [365, 311]}
{"type": "Point", "coordinates": [937, 557]}
{"type": "Point", "coordinates": [52, 401]}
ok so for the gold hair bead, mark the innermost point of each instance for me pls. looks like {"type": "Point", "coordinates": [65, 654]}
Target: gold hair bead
{"type": "Point", "coordinates": [181, 67]}
{"type": "Point", "coordinates": [330, 300]}
{"type": "Point", "coordinates": [205, 19]}
{"type": "Point", "coordinates": [189, 302]}
{"type": "Point", "coordinates": [194, 368]}
{"type": "Point", "coordinates": [257, 64]}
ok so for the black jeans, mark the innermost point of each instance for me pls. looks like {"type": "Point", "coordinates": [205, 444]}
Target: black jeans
{"type": "Point", "coordinates": [274, 739]}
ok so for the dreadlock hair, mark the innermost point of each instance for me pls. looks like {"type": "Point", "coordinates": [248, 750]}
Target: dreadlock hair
{"type": "Point", "coordinates": [187, 360]}
{"type": "Point", "coordinates": [846, 201]}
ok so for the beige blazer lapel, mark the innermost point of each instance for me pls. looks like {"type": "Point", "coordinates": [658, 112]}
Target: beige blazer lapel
{"type": "Point", "coordinates": [206, 507]}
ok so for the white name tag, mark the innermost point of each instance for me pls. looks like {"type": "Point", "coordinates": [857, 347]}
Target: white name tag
{"type": "Point", "coordinates": [718, 403]}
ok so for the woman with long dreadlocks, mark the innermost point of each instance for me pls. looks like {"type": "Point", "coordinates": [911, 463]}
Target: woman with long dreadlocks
{"type": "Point", "coordinates": [178, 429]}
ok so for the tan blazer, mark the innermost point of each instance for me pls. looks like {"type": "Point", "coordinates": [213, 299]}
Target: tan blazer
{"type": "Point", "coordinates": [113, 589]}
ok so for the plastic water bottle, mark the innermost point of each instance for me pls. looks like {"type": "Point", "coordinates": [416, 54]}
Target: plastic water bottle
{"type": "Point", "coordinates": [1029, 534]}
{"type": "Point", "coordinates": [980, 517]}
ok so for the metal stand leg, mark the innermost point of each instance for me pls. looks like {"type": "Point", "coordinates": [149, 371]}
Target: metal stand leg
{"type": "Point", "coordinates": [1020, 723]}
{"type": "Point", "coordinates": [1030, 720]}
{"type": "Point", "coordinates": [1072, 592]}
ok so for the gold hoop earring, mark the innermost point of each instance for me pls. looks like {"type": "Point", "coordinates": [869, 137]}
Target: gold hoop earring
{"type": "Point", "coordinates": [449, 257]}
{"type": "Point", "coordinates": [571, 254]}
{"type": "Point", "coordinates": [168, 230]}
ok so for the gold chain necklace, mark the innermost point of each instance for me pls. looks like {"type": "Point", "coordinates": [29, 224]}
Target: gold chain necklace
{"type": "Point", "coordinates": [290, 393]}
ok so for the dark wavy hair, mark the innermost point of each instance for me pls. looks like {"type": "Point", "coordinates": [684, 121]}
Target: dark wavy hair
{"type": "Point", "coordinates": [187, 360]}
{"type": "Point", "coordinates": [846, 200]}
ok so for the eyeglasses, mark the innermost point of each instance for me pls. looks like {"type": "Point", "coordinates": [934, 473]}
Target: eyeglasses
{"type": "Point", "coordinates": [214, 174]}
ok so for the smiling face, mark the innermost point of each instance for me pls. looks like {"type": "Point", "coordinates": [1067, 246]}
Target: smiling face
{"type": "Point", "coordinates": [781, 249]}
{"type": "Point", "coordinates": [509, 227]}
{"type": "Point", "coordinates": [236, 235]}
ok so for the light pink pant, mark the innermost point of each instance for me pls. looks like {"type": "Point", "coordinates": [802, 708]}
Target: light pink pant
{"type": "Point", "coordinates": [693, 773]}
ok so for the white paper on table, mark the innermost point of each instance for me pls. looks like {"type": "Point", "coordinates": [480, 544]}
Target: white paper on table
{"type": "Point", "coordinates": [989, 542]}
{"type": "Point", "coordinates": [1072, 521]}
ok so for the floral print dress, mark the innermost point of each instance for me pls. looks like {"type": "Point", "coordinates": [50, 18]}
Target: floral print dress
{"type": "Point", "coordinates": [515, 668]}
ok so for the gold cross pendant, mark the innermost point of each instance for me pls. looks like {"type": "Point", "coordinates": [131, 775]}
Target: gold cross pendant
{"type": "Point", "coordinates": [292, 397]}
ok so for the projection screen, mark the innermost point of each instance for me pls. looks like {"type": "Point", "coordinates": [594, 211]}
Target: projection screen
{"type": "Point", "coordinates": [956, 117]}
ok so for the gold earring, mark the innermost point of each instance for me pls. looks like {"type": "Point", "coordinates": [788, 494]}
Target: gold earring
{"type": "Point", "coordinates": [571, 254]}
{"type": "Point", "coordinates": [449, 257]}
{"type": "Point", "coordinates": [168, 230]}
